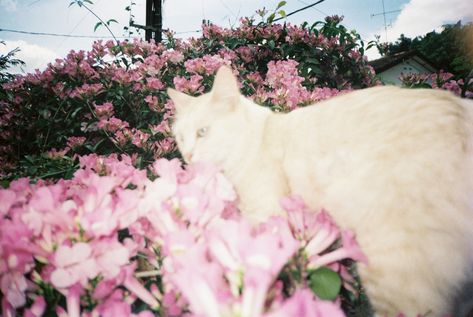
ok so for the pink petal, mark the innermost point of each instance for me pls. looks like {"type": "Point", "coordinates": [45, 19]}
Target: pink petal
{"type": "Point", "coordinates": [7, 199]}
{"type": "Point", "coordinates": [61, 278]}
{"type": "Point", "coordinates": [66, 255]}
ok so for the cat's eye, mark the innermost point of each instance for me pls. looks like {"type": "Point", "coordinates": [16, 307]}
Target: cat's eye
{"type": "Point", "coordinates": [202, 132]}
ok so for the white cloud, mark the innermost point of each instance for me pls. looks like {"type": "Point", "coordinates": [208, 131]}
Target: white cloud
{"type": "Point", "coordinates": [419, 17]}
{"type": "Point", "coordinates": [33, 55]}
{"type": "Point", "coordinates": [9, 5]}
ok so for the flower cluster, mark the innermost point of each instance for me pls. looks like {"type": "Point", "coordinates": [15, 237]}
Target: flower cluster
{"type": "Point", "coordinates": [284, 89]}
{"type": "Point", "coordinates": [440, 80]}
{"type": "Point", "coordinates": [110, 238]}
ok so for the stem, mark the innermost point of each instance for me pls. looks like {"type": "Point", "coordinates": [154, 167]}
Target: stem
{"type": "Point", "coordinates": [103, 22]}
{"type": "Point", "coordinates": [147, 273]}
{"type": "Point", "coordinates": [73, 302]}
{"type": "Point", "coordinates": [49, 128]}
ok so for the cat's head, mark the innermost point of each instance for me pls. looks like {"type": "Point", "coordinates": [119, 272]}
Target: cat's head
{"type": "Point", "coordinates": [210, 127]}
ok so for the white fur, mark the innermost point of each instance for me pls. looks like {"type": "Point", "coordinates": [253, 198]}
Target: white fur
{"type": "Point", "coordinates": [394, 165]}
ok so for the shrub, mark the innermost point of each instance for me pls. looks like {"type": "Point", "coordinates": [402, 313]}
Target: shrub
{"type": "Point", "coordinates": [112, 99]}
{"type": "Point", "coordinates": [440, 80]}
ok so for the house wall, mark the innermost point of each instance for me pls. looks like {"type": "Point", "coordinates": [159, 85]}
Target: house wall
{"type": "Point", "coordinates": [391, 75]}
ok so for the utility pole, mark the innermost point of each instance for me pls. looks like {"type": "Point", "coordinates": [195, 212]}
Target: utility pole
{"type": "Point", "coordinates": [384, 16]}
{"type": "Point", "coordinates": [154, 21]}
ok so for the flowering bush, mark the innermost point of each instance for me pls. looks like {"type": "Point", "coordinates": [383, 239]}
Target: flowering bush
{"type": "Point", "coordinates": [112, 99]}
{"type": "Point", "coordinates": [441, 80]}
{"type": "Point", "coordinates": [113, 242]}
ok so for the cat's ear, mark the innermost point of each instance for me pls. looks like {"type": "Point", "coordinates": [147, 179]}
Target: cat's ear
{"type": "Point", "coordinates": [180, 99]}
{"type": "Point", "coordinates": [225, 89]}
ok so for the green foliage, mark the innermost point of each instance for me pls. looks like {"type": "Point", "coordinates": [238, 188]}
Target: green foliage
{"type": "Point", "coordinates": [325, 283]}
{"type": "Point", "coordinates": [450, 50]}
{"type": "Point", "coordinates": [325, 50]}
{"type": "Point", "coordinates": [6, 61]}
{"type": "Point", "coordinates": [43, 167]}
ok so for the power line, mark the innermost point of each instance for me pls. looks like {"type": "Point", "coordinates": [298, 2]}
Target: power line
{"type": "Point", "coordinates": [75, 27]}
{"type": "Point", "coordinates": [320, 11]}
{"type": "Point", "coordinates": [79, 36]}
{"type": "Point", "coordinates": [299, 10]}
{"type": "Point", "coordinates": [56, 34]}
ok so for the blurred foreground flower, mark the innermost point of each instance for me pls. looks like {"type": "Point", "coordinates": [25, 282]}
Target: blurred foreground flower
{"type": "Point", "coordinates": [113, 241]}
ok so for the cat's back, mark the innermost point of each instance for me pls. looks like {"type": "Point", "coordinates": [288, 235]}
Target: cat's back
{"type": "Point", "coordinates": [385, 111]}
{"type": "Point", "coordinates": [382, 139]}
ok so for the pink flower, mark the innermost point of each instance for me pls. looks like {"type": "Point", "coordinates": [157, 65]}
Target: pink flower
{"type": "Point", "coordinates": [37, 309]}
{"type": "Point", "coordinates": [135, 287]}
{"type": "Point", "coordinates": [257, 257]}
{"type": "Point", "coordinates": [164, 146]}
{"type": "Point", "coordinates": [96, 214]}
{"type": "Point", "coordinates": [53, 153]}
{"type": "Point", "coordinates": [173, 56]}
{"type": "Point", "coordinates": [304, 304]}
{"type": "Point", "coordinates": [189, 86]}
{"type": "Point", "coordinates": [110, 256]}
{"type": "Point", "coordinates": [319, 94]}
{"type": "Point", "coordinates": [113, 306]}
{"type": "Point", "coordinates": [154, 83]}
{"type": "Point", "coordinates": [152, 102]}
{"type": "Point", "coordinates": [112, 124]}
{"type": "Point", "coordinates": [326, 233]}
{"type": "Point", "coordinates": [86, 90]}
{"type": "Point", "coordinates": [139, 138]}
{"type": "Point", "coordinates": [73, 265]}
{"type": "Point", "coordinates": [7, 199]}
{"type": "Point", "coordinates": [350, 249]}
{"type": "Point", "coordinates": [104, 111]}
{"type": "Point", "coordinates": [75, 141]}
{"type": "Point", "coordinates": [173, 303]}
{"type": "Point", "coordinates": [13, 287]}
{"type": "Point", "coordinates": [287, 90]}
{"type": "Point", "coordinates": [73, 300]}
{"type": "Point", "coordinates": [302, 221]}
{"type": "Point", "coordinates": [126, 208]}
{"type": "Point", "coordinates": [206, 65]}
{"type": "Point", "coordinates": [202, 283]}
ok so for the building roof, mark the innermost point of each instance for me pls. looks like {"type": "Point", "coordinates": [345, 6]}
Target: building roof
{"type": "Point", "coordinates": [384, 63]}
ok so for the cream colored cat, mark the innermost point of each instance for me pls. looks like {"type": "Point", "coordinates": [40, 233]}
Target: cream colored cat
{"type": "Point", "coordinates": [394, 165]}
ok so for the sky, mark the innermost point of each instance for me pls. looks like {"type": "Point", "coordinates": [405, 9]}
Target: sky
{"type": "Point", "coordinates": [409, 17]}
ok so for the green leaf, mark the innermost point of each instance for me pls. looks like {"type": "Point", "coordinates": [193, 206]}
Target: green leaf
{"type": "Point", "coordinates": [325, 283]}
{"type": "Point", "coordinates": [111, 20]}
{"type": "Point", "coordinates": [75, 112]}
{"type": "Point", "coordinates": [281, 4]}
{"type": "Point", "coordinates": [97, 26]}
{"type": "Point", "coordinates": [313, 61]}
{"type": "Point", "coordinates": [282, 13]}
{"type": "Point", "coordinates": [98, 144]}
{"type": "Point", "coordinates": [4, 183]}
